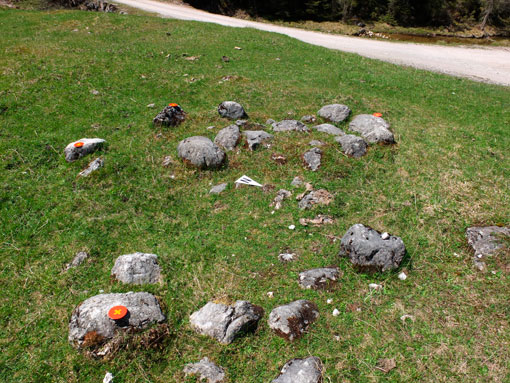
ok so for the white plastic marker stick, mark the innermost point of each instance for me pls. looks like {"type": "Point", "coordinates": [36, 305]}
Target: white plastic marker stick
{"type": "Point", "coordinates": [248, 181]}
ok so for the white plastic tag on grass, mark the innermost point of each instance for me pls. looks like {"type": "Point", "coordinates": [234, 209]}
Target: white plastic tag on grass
{"type": "Point", "coordinates": [248, 181]}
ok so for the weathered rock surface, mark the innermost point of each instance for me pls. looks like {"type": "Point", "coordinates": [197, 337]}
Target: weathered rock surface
{"type": "Point", "coordinates": [309, 119]}
{"type": "Point", "coordinates": [280, 159]}
{"type": "Point", "coordinates": [289, 125]}
{"type": "Point", "coordinates": [316, 197]}
{"type": "Point", "coordinates": [206, 370]}
{"type": "Point", "coordinates": [316, 143]}
{"type": "Point", "coordinates": [201, 152]}
{"type": "Point", "coordinates": [329, 129]}
{"type": "Point", "coordinates": [334, 112]}
{"type": "Point", "coordinates": [231, 110]}
{"type": "Point", "coordinates": [297, 181]}
{"type": "Point", "coordinates": [98, 163]}
{"type": "Point", "coordinates": [317, 221]}
{"type": "Point", "coordinates": [172, 115]}
{"type": "Point", "coordinates": [218, 188]}
{"type": "Point", "coordinates": [90, 325]}
{"type": "Point", "coordinates": [373, 129]}
{"type": "Point", "coordinates": [77, 260]}
{"type": "Point", "coordinates": [292, 320]}
{"type": "Point", "coordinates": [280, 196]}
{"type": "Point", "coordinates": [82, 147]}
{"type": "Point", "coordinates": [223, 322]}
{"type": "Point", "coordinates": [312, 159]}
{"type": "Point", "coordinates": [255, 138]}
{"type": "Point", "coordinates": [137, 268]}
{"type": "Point", "coordinates": [228, 138]}
{"type": "Point", "coordinates": [368, 251]}
{"type": "Point", "coordinates": [487, 240]}
{"type": "Point", "coordinates": [318, 278]}
{"type": "Point", "coordinates": [307, 370]}
{"type": "Point", "coordinates": [352, 145]}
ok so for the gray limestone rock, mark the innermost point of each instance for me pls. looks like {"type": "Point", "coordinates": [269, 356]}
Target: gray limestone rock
{"type": "Point", "coordinates": [280, 196]}
{"type": "Point", "coordinates": [316, 143]}
{"type": "Point", "coordinates": [292, 320]}
{"type": "Point", "coordinates": [373, 129]}
{"type": "Point", "coordinates": [255, 138]}
{"type": "Point", "coordinates": [231, 110]}
{"type": "Point", "coordinates": [312, 159]}
{"type": "Point", "coordinates": [334, 112]}
{"type": "Point", "coordinates": [307, 370]}
{"type": "Point", "coordinates": [309, 119]}
{"type": "Point", "coordinates": [330, 129]}
{"type": "Point", "coordinates": [172, 115]}
{"type": "Point", "coordinates": [82, 147]}
{"type": "Point", "coordinates": [90, 325]}
{"type": "Point", "coordinates": [316, 197]}
{"type": "Point", "coordinates": [77, 260]}
{"type": "Point", "coordinates": [289, 125]}
{"type": "Point", "coordinates": [486, 241]}
{"type": "Point", "coordinates": [352, 145]}
{"type": "Point", "coordinates": [137, 268]}
{"type": "Point", "coordinates": [201, 152]}
{"type": "Point", "coordinates": [224, 322]}
{"type": "Point", "coordinates": [318, 278]}
{"type": "Point", "coordinates": [368, 251]}
{"type": "Point", "coordinates": [218, 188]}
{"type": "Point", "coordinates": [228, 138]}
{"type": "Point", "coordinates": [206, 370]}
{"type": "Point", "coordinates": [270, 121]}
{"type": "Point", "coordinates": [297, 181]}
{"type": "Point", "coordinates": [98, 163]}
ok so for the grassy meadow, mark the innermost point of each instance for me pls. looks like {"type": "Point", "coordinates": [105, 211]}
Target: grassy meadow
{"type": "Point", "coordinates": [449, 170]}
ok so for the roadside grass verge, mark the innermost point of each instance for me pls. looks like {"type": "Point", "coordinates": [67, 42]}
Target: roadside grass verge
{"type": "Point", "coordinates": [449, 170]}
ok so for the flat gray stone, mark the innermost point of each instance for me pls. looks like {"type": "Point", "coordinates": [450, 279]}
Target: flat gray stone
{"type": "Point", "coordinates": [270, 121]}
{"type": "Point", "coordinates": [316, 197]}
{"type": "Point", "coordinates": [201, 152]}
{"type": "Point", "coordinates": [170, 116]}
{"type": "Point", "coordinates": [329, 129]}
{"type": "Point", "coordinates": [368, 251]}
{"type": "Point", "coordinates": [218, 188]}
{"type": "Point", "coordinates": [316, 143]}
{"type": "Point", "coordinates": [206, 370]}
{"type": "Point", "coordinates": [90, 145]}
{"type": "Point", "coordinates": [312, 159]}
{"type": "Point", "coordinates": [292, 320]}
{"type": "Point", "coordinates": [352, 145]}
{"type": "Point", "coordinates": [280, 197]}
{"type": "Point", "coordinates": [297, 181]}
{"type": "Point", "coordinates": [90, 325]}
{"type": "Point", "coordinates": [307, 370]}
{"type": "Point", "coordinates": [137, 268]}
{"type": "Point", "coordinates": [373, 129]}
{"type": "Point", "coordinates": [487, 240]}
{"type": "Point", "coordinates": [228, 138]}
{"type": "Point", "coordinates": [224, 322]}
{"type": "Point", "coordinates": [97, 164]}
{"type": "Point", "coordinates": [318, 278]}
{"type": "Point", "coordinates": [231, 110]}
{"type": "Point", "coordinates": [77, 260]}
{"type": "Point", "coordinates": [289, 125]}
{"type": "Point", "coordinates": [256, 138]}
{"type": "Point", "coordinates": [334, 112]}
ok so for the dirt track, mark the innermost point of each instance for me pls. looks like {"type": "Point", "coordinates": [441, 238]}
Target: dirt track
{"type": "Point", "coordinates": [486, 64]}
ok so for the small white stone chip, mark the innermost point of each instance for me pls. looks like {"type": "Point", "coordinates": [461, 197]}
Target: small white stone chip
{"type": "Point", "coordinates": [270, 294]}
{"type": "Point", "coordinates": [329, 301]}
{"type": "Point", "coordinates": [108, 378]}
{"type": "Point", "coordinates": [336, 312]}
{"type": "Point", "coordinates": [402, 276]}
{"type": "Point", "coordinates": [292, 227]}
{"type": "Point", "coordinates": [385, 235]}
{"type": "Point", "coordinates": [374, 286]}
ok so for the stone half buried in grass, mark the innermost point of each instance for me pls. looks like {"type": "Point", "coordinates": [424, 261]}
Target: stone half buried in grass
{"type": "Point", "coordinates": [256, 138]}
{"type": "Point", "coordinates": [201, 152]}
{"type": "Point", "coordinates": [206, 371]}
{"type": "Point", "coordinates": [315, 197]}
{"type": "Point", "coordinates": [172, 115]}
{"type": "Point", "coordinates": [82, 147]}
{"type": "Point", "coordinates": [90, 327]}
{"type": "Point", "coordinates": [352, 145]}
{"type": "Point", "coordinates": [373, 129]}
{"type": "Point", "coordinates": [312, 159]}
{"type": "Point", "coordinates": [292, 320]}
{"type": "Point", "coordinates": [334, 112]}
{"type": "Point", "coordinates": [318, 278]}
{"type": "Point", "coordinates": [329, 129]}
{"type": "Point", "coordinates": [137, 268]}
{"type": "Point", "coordinates": [231, 110]}
{"type": "Point", "coordinates": [224, 322]}
{"type": "Point", "coordinates": [97, 164]}
{"type": "Point", "coordinates": [289, 126]}
{"type": "Point", "coordinates": [487, 240]}
{"type": "Point", "coordinates": [369, 252]}
{"type": "Point", "coordinates": [228, 138]}
{"type": "Point", "coordinates": [307, 370]}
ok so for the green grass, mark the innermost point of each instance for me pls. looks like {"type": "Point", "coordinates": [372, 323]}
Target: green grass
{"type": "Point", "coordinates": [449, 170]}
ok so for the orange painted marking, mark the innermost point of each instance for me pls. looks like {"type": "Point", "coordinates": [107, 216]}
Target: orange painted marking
{"type": "Point", "coordinates": [78, 144]}
{"type": "Point", "coordinates": [173, 104]}
{"type": "Point", "coordinates": [117, 312]}
{"type": "Point", "coordinates": [377, 114]}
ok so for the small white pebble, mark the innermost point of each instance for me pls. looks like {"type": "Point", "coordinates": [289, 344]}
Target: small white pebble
{"type": "Point", "coordinates": [456, 255]}
{"type": "Point", "coordinates": [336, 312]}
{"type": "Point", "coordinates": [233, 255]}
{"type": "Point", "coordinates": [402, 276]}
{"type": "Point", "coordinates": [108, 378]}
{"type": "Point", "coordinates": [101, 291]}
{"type": "Point", "coordinates": [210, 127]}
{"type": "Point", "coordinates": [385, 235]}
{"type": "Point", "coordinates": [270, 294]}
{"type": "Point", "coordinates": [292, 227]}
{"type": "Point", "coordinates": [406, 316]}
{"type": "Point", "coordinates": [272, 212]}
{"type": "Point", "coordinates": [337, 338]}
{"type": "Point", "coordinates": [172, 176]}
{"type": "Point", "coordinates": [329, 301]}
{"type": "Point", "coordinates": [479, 256]}
{"type": "Point", "coordinates": [375, 286]}
{"type": "Point", "coordinates": [493, 272]}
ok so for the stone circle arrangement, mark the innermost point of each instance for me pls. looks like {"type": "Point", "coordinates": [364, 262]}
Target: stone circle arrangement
{"type": "Point", "coordinates": [93, 330]}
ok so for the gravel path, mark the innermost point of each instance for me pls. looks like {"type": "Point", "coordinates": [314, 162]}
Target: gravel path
{"type": "Point", "coordinates": [485, 64]}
